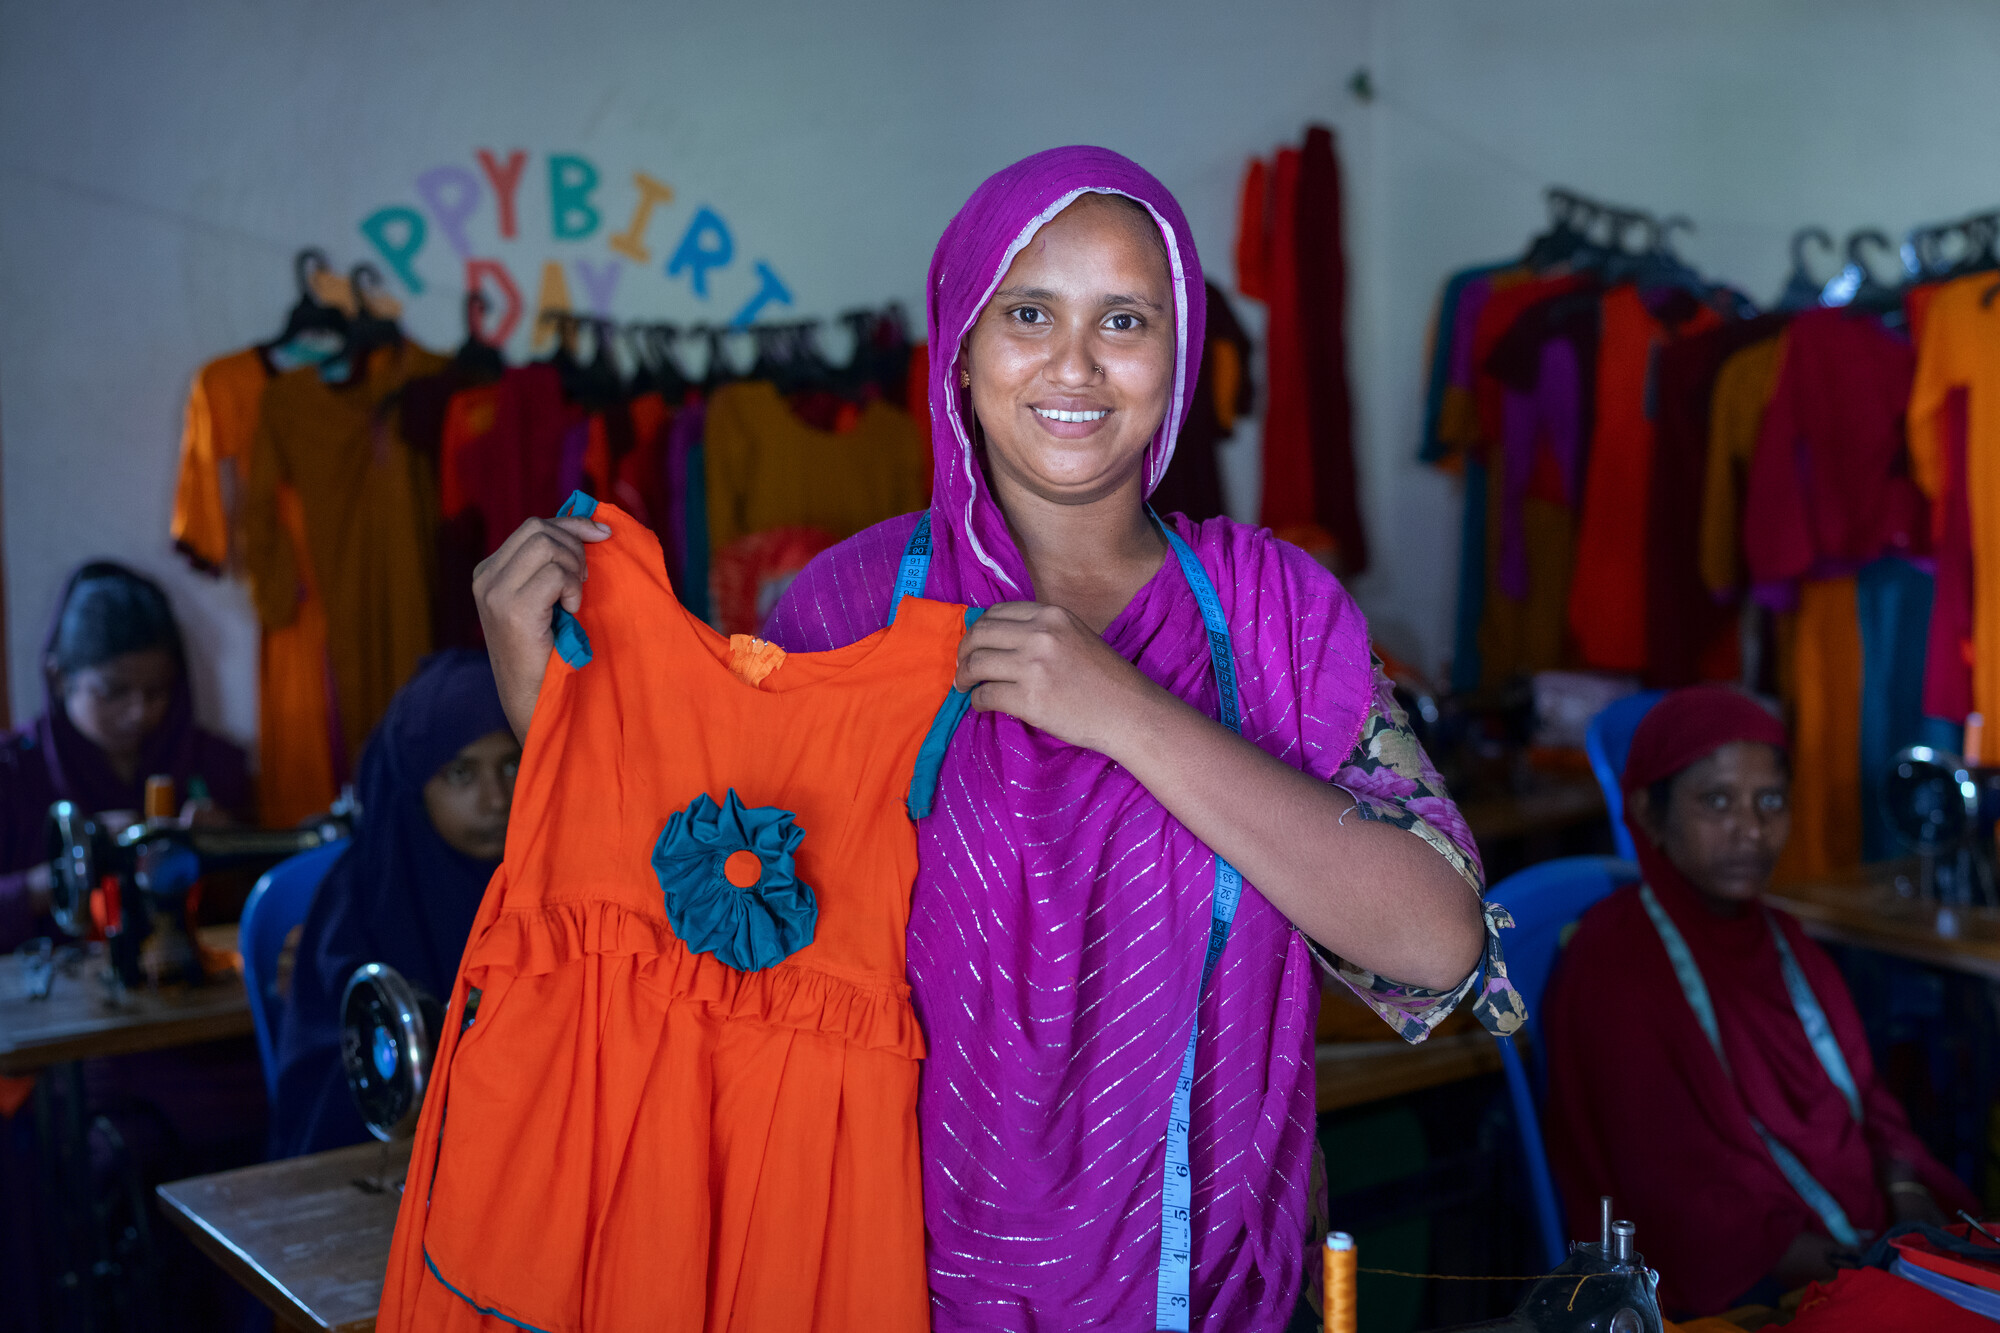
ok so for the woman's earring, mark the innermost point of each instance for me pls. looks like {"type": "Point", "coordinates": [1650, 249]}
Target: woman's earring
{"type": "Point", "coordinates": [964, 379]}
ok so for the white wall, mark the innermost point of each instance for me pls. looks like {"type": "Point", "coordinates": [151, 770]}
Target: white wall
{"type": "Point", "coordinates": [160, 162]}
{"type": "Point", "coordinates": [1752, 117]}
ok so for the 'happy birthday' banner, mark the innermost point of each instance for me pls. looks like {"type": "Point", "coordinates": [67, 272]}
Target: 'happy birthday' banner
{"type": "Point", "coordinates": [695, 247]}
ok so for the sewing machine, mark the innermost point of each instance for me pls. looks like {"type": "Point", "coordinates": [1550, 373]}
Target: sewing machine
{"type": "Point", "coordinates": [388, 1035]}
{"type": "Point", "coordinates": [1944, 810]}
{"type": "Point", "coordinates": [143, 873]}
{"type": "Point", "coordinates": [1603, 1287]}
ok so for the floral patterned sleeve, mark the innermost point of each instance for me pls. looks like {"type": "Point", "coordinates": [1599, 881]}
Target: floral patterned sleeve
{"type": "Point", "coordinates": [1393, 781]}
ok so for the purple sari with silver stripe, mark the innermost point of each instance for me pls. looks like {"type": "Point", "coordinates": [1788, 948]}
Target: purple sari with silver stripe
{"type": "Point", "coordinates": [1060, 914]}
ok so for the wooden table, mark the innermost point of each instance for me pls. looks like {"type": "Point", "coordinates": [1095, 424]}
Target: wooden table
{"type": "Point", "coordinates": [1354, 1073]}
{"type": "Point", "coordinates": [1357, 1058]}
{"type": "Point", "coordinates": [79, 1020]}
{"type": "Point", "coordinates": [1865, 907]}
{"type": "Point", "coordinates": [300, 1235]}
{"type": "Point", "coordinates": [1552, 806]}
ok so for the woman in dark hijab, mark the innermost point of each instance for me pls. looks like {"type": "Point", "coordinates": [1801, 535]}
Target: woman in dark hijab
{"type": "Point", "coordinates": [437, 778]}
{"type": "Point", "coordinates": [117, 710]}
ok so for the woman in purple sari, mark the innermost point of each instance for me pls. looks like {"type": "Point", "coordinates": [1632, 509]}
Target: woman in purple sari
{"type": "Point", "coordinates": [1064, 897]}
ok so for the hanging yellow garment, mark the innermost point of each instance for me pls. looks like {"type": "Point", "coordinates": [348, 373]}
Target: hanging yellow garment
{"type": "Point", "coordinates": [1825, 698]}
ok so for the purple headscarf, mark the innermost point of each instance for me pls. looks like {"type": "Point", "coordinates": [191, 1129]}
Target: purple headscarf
{"type": "Point", "coordinates": [1060, 913]}
{"type": "Point", "coordinates": [972, 257]}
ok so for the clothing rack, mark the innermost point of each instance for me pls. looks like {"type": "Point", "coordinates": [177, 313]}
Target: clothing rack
{"type": "Point", "coordinates": [1928, 251]}
{"type": "Point", "coordinates": [780, 341]}
{"type": "Point", "coordinates": [1607, 225]}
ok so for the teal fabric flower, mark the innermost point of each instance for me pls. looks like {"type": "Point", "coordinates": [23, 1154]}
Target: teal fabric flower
{"type": "Point", "coordinates": [751, 927]}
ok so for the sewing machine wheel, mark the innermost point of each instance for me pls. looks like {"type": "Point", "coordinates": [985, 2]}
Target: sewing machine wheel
{"type": "Point", "coordinates": [73, 862]}
{"type": "Point", "coordinates": [385, 1046]}
{"type": "Point", "coordinates": [1931, 800]}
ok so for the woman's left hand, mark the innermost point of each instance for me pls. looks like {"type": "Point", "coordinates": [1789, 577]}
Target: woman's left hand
{"type": "Point", "coordinates": [1041, 664]}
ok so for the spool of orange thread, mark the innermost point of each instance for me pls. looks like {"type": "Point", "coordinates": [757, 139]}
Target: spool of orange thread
{"type": "Point", "coordinates": [160, 797]}
{"type": "Point", "coordinates": [1341, 1307]}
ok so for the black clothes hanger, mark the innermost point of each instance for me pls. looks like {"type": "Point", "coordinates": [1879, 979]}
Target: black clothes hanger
{"type": "Point", "coordinates": [309, 317]}
{"type": "Point", "coordinates": [718, 371]}
{"type": "Point", "coordinates": [602, 382]}
{"type": "Point", "coordinates": [810, 365]}
{"type": "Point", "coordinates": [475, 355]}
{"type": "Point", "coordinates": [563, 358]}
{"type": "Point", "coordinates": [668, 378]}
{"type": "Point", "coordinates": [1570, 219]}
{"type": "Point", "coordinates": [367, 331]}
{"type": "Point", "coordinates": [767, 364]}
{"type": "Point", "coordinates": [1980, 233]}
{"type": "Point", "coordinates": [1802, 290]}
{"type": "Point", "coordinates": [1856, 287]}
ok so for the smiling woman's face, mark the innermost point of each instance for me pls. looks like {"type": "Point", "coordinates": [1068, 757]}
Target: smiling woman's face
{"type": "Point", "coordinates": [1072, 361]}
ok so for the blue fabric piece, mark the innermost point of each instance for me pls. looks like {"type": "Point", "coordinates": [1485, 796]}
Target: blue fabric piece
{"type": "Point", "coordinates": [749, 929]}
{"type": "Point", "coordinates": [571, 642]}
{"type": "Point", "coordinates": [1966, 1296]}
{"type": "Point", "coordinates": [399, 894]}
{"type": "Point", "coordinates": [695, 497]}
{"type": "Point", "coordinates": [1940, 733]}
{"type": "Point", "coordinates": [1893, 602]}
{"type": "Point", "coordinates": [1466, 664]}
{"type": "Point", "coordinates": [930, 759]}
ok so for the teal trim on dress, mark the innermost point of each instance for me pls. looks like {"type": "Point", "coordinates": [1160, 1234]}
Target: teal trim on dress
{"type": "Point", "coordinates": [483, 1309]}
{"type": "Point", "coordinates": [930, 759]}
{"type": "Point", "coordinates": [571, 641]}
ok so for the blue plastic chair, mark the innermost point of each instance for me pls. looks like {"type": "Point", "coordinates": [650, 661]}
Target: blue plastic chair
{"type": "Point", "coordinates": [1607, 741]}
{"type": "Point", "coordinates": [280, 900]}
{"type": "Point", "coordinates": [1544, 899]}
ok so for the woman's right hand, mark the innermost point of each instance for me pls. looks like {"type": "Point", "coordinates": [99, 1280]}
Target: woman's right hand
{"type": "Point", "coordinates": [516, 589]}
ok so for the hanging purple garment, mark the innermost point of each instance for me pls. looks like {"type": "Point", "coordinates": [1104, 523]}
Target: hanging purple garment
{"type": "Point", "coordinates": [1060, 914]}
{"type": "Point", "coordinates": [569, 467]}
{"type": "Point", "coordinates": [1545, 416]}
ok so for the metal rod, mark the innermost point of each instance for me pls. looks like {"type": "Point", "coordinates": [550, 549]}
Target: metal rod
{"type": "Point", "coordinates": [1604, 1224]}
{"type": "Point", "coordinates": [1621, 1241]}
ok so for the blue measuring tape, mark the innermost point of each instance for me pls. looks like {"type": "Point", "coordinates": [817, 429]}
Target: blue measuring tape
{"type": "Point", "coordinates": [1171, 1309]}
{"type": "Point", "coordinates": [1818, 1031]}
{"type": "Point", "coordinates": [915, 570]}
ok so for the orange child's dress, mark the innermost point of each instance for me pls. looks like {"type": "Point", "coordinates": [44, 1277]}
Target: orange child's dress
{"type": "Point", "coordinates": [626, 1133]}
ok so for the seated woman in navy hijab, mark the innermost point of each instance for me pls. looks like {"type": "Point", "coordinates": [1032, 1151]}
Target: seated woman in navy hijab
{"type": "Point", "coordinates": [116, 711]}
{"type": "Point", "coordinates": [1707, 1068]}
{"type": "Point", "coordinates": [437, 778]}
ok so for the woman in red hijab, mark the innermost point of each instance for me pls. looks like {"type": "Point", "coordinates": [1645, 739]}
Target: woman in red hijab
{"type": "Point", "coordinates": [1682, 1077]}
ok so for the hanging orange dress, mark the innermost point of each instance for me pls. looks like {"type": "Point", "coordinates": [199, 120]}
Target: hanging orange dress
{"type": "Point", "coordinates": [295, 761]}
{"type": "Point", "coordinates": [624, 1132]}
